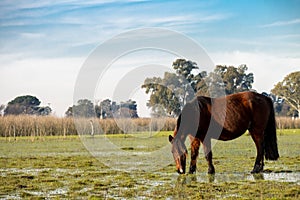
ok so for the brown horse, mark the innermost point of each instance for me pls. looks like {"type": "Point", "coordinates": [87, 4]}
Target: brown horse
{"type": "Point", "coordinates": [225, 118]}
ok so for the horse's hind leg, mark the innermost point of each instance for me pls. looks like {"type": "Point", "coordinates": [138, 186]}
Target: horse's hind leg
{"type": "Point", "coordinates": [195, 144]}
{"type": "Point", "coordinates": [259, 162]}
{"type": "Point", "coordinates": [208, 156]}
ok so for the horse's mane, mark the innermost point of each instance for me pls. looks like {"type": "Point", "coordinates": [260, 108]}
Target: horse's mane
{"type": "Point", "coordinates": [191, 110]}
{"type": "Point", "coordinates": [203, 100]}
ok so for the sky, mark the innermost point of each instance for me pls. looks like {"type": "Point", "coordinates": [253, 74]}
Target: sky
{"type": "Point", "coordinates": [44, 44]}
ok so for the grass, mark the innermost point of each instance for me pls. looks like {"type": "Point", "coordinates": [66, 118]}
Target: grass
{"type": "Point", "coordinates": [61, 167]}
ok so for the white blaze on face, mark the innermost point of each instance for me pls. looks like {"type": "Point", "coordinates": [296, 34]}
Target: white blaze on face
{"type": "Point", "coordinates": [180, 170]}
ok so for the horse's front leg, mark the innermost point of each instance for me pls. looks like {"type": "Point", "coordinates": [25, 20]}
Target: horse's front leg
{"type": "Point", "coordinates": [208, 156]}
{"type": "Point", "coordinates": [195, 144]}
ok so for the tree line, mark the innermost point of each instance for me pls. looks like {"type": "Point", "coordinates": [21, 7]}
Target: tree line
{"type": "Point", "coordinates": [168, 94]}
{"type": "Point", "coordinates": [29, 105]}
{"type": "Point", "coordinates": [104, 109]}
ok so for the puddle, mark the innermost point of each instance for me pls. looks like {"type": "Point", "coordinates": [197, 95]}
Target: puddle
{"type": "Point", "coordinates": [48, 194]}
{"type": "Point", "coordinates": [10, 196]}
{"type": "Point", "coordinates": [5, 171]}
{"type": "Point", "coordinates": [292, 177]}
{"type": "Point", "coordinates": [69, 171]}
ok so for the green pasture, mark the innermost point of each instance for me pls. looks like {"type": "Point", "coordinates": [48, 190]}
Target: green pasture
{"type": "Point", "coordinates": [61, 167]}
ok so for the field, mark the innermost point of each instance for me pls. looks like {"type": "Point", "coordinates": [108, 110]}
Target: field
{"type": "Point", "coordinates": [61, 167]}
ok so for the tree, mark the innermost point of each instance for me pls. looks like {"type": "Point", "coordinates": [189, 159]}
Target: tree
{"type": "Point", "coordinates": [289, 90]}
{"type": "Point", "coordinates": [104, 109]}
{"type": "Point", "coordinates": [128, 109]}
{"type": "Point", "coordinates": [169, 94]}
{"type": "Point", "coordinates": [163, 98]}
{"type": "Point", "coordinates": [2, 107]}
{"type": "Point", "coordinates": [110, 109]}
{"type": "Point", "coordinates": [229, 79]}
{"type": "Point", "coordinates": [84, 108]}
{"type": "Point", "coordinates": [69, 112]}
{"type": "Point", "coordinates": [44, 111]}
{"type": "Point", "coordinates": [28, 105]}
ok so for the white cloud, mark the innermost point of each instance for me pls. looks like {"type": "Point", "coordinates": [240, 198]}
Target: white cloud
{"type": "Point", "coordinates": [29, 35]}
{"type": "Point", "coordinates": [283, 23]}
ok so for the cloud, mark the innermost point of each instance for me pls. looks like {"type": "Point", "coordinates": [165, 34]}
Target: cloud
{"type": "Point", "coordinates": [70, 28]}
{"type": "Point", "coordinates": [282, 23]}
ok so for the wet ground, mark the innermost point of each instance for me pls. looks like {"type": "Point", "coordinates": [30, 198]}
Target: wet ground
{"type": "Point", "coordinates": [62, 168]}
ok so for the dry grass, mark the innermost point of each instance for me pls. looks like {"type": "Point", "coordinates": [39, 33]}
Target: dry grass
{"type": "Point", "coordinates": [38, 126]}
{"type": "Point", "coordinates": [287, 123]}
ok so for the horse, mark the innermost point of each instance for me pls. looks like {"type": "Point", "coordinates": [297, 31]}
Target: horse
{"type": "Point", "coordinates": [225, 118]}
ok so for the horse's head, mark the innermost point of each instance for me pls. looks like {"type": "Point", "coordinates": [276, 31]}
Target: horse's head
{"type": "Point", "coordinates": [179, 152]}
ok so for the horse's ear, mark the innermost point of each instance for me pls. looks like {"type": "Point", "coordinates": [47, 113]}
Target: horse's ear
{"type": "Point", "coordinates": [170, 138]}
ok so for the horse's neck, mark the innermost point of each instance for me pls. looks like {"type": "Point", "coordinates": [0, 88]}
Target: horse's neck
{"type": "Point", "coordinates": [182, 137]}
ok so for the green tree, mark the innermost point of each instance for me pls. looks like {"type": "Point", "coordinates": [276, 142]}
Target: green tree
{"type": "Point", "coordinates": [44, 111]}
{"type": "Point", "coordinates": [228, 79]}
{"type": "Point", "coordinates": [69, 112]}
{"type": "Point", "coordinates": [163, 100]}
{"type": "Point", "coordinates": [289, 90]}
{"type": "Point", "coordinates": [27, 105]}
{"type": "Point", "coordinates": [110, 109]}
{"type": "Point", "coordinates": [105, 109]}
{"type": "Point", "coordinates": [170, 93]}
{"type": "Point", "coordinates": [83, 108]}
{"type": "Point", "coordinates": [128, 109]}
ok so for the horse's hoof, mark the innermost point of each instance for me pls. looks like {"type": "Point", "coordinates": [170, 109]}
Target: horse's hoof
{"type": "Point", "coordinates": [192, 170]}
{"type": "Point", "coordinates": [257, 169]}
{"type": "Point", "coordinates": [211, 170]}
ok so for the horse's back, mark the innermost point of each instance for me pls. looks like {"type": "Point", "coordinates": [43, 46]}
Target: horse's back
{"type": "Point", "coordinates": [261, 107]}
{"type": "Point", "coordinates": [243, 111]}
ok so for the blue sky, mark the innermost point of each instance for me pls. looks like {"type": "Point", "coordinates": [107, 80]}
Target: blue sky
{"type": "Point", "coordinates": [43, 44]}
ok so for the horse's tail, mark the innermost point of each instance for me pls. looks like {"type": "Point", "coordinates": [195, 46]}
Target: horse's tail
{"type": "Point", "coordinates": [270, 138]}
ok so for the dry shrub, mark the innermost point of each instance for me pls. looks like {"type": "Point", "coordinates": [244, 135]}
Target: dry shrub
{"type": "Point", "coordinates": [287, 123]}
{"type": "Point", "coordinates": [35, 126]}
{"type": "Point", "coordinates": [39, 126]}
